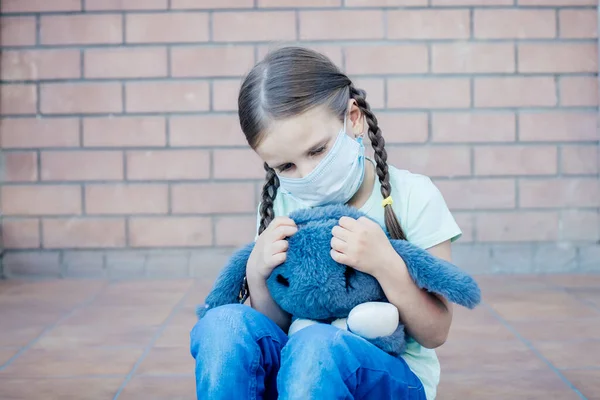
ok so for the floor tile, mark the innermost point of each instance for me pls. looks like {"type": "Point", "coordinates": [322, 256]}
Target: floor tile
{"type": "Point", "coordinates": [133, 316]}
{"type": "Point", "coordinates": [477, 324]}
{"type": "Point", "coordinates": [586, 381]}
{"type": "Point", "coordinates": [63, 295]}
{"type": "Point", "coordinates": [160, 388]}
{"type": "Point", "coordinates": [590, 296]}
{"type": "Point", "coordinates": [515, 384]}
{"type": "Point", "coordinates": [73, 336]}
{"type": "Point", "coordinates": [542, 305]}
{"type": "Point", "coordinates": [573, 281]}
{"type": "Point", "coordinates": [19, 337]}
{"type": "Point", "coordinates": [59, 389]}
{"type": "Point", "coordinates": [565, 330]}
{"type": "Point", "coordinates": [145, 293]}
{"type": "Point", "coordinates": [73, 362]}
{"type": "Point", "coordinates": [582, 354]}
{"type": "Point", "coordinates": [167, 361]}
{"type": "Point", "coordinates": [483, 355]}
{"type": "Point", "coordinates": [6, 353]}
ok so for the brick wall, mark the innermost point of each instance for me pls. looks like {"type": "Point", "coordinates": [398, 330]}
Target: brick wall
{"type": "Point", "coordinates": [123, 157]}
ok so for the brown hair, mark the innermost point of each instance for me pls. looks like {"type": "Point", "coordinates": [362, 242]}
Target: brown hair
{"type": "Point", "coordinates": [290, 81]}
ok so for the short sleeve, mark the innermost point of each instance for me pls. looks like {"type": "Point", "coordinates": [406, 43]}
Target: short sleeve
{"type": "Point", "coordinates": [429, 221]}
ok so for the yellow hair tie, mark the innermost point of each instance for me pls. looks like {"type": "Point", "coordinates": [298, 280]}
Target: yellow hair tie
{"type": "Point", "coordinates": [387, 201]}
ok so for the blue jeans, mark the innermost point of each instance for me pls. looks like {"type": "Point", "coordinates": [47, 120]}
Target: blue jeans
{"type": "Point", "coordinates": [241, 354]}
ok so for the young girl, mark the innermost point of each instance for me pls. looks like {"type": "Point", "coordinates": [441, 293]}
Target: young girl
{"type": "Point", "coordinates": [306, 120]}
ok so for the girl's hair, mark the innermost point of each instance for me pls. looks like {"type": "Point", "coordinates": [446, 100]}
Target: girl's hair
{"type": "Point", "coordinates": [290, 81]}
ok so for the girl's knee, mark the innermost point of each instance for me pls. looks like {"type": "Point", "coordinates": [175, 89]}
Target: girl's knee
{"type": "Point", "coordinates": [317, 342]}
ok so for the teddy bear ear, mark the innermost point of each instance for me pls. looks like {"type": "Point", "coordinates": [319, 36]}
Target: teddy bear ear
{"type": "Point", "coordinates": [228, 284]}
{"type": "Point", "coordinates": [323, 213]}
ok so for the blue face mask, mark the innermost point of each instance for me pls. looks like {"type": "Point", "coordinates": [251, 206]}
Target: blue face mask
{"type": "Point", "coordinates": [335, 179]}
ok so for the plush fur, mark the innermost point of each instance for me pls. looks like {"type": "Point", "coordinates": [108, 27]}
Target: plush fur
{"type": "Point", "coordinates": [311, 285]}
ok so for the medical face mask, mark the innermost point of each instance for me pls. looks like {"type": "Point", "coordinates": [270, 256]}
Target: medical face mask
{"type": "Point", "coordinates": [335, 179]}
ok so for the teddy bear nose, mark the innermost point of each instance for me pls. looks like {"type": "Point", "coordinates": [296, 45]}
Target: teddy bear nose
{"type": "Point", "coordinates": [283, 280]}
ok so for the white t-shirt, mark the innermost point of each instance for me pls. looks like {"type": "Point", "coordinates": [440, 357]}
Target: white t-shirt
{"type": "Point", "coordinates": [426, 221]}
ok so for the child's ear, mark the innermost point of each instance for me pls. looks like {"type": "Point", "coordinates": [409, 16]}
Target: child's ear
{"type": "Point", "coordinates": [229, 282]}
{"type": "Point", "coordinates": [357, 119]}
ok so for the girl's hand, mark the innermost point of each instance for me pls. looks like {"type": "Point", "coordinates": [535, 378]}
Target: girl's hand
{"type": "Point", "coordinates": [361, 244]}
{"type": "Point", "coordinates": [270, 248]}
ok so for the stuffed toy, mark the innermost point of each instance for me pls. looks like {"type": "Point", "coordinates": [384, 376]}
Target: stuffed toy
{"type": "Point", "coordinates": [314, 288]}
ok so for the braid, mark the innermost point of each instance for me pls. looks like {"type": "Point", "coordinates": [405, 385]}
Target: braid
{"type": "Point", "coordinates": [391, 221]}
{"type": "Point", "coordinates": [268, 197]}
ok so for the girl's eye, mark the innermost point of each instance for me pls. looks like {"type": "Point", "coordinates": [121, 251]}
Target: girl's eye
{"type": "Point", "coordinates": [285, 167]}
{"type": "Point", "coordinates": [318, 151]}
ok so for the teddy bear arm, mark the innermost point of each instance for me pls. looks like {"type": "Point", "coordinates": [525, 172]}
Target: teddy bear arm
{"type": "Point", "coordinates": [373, 319]}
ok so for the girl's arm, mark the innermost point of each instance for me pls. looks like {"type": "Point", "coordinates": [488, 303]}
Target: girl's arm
{"type": "Point", "coordinates": [426, 316]}
{"type": "Point", "coordinates": [261, 300]}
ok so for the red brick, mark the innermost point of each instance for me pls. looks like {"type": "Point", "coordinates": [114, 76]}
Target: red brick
{"type": "Point", "coordinates": [517, 227]}
{"type": "Point", "coordinates": [580, 225]}
{"type": "Point", "coordinates": [170, 232]}
{"type": "Point", "coordinates": [556, 2]}
{"type": "Point", "coordinates": [473, 127]}
{"type": "Point", "coordinates": [167, 96]}
{"type": "Point", "coordinates": [564, 57]}
{"type": "Point", "coordinates": [213, 198]}
{"type": "Point", "coordinates": [481, 3]}
{"type": "Point", "coordinates": [41, 200]}
{"type": "Point", "coordinates": [36, 264]}
{"type": "Point", "coordinates": [225, 95]}
{"type": "Point", "coordinates": [580, 159]}
{"type": "Point", "coordinates": [565, 192]}
{"type": "Point", "coordinates": [334, 53]}
{"type": "Point", "coordinates": [124, 132]}
{"type": "Point", "coordinates": [20, 234]}
{"type": "Point", "coordinates": [18, 99]}
{"type": "Point", "coordinates": [426, 160]}
{"type": "Point", "coordinates": [386, 59]}
{"type": "Point", "coordinates": [429, 93]}
{"type": "Point", "coordinates": [299, 3]}
{"type": "Point", "coordinates": [428, 24]}
{"type": "Point", "coordinates": [83, 233]}
{"type": "Point", "coordinates": [40, 64]}
{"type": "Point", "coordinates": [206, 130]}
{"type": "Point", "coordinates": [127, 199]}
{"type": "Point", "coordinates": [514, 23]}
{"type": "Point", "coordinates": [579, 91]}
{"type": "Point", "coordinates": [118, 5]}
{"type": "Point", "coordinates": [167, 27]}
{"type": "Point", "coordinates": [81, 165]}
{"type": "Point", "coordinates": [384, 3]}
{"type": "Point", "coordinates": [578, 24]}
{"type": "Point", "coordinates": [168, 164]}
{"type": "Point", "coordinates": [516, 160]}
{"type": "Point", "coordinates": [235, 231]}
{"type": "Point", "coordinates": [403, 128]}
{"type": "Point", "coordinates": [11, 6]}
{"type": "Point", "coordinates": [478, 193]}
{"type": "Point", "coordinates": [252, 26]}
{"type": "Point", "coordinates": [81, 29]}
{"type": "Point", "coordinates": [237, 164]}
{"type": "Point", "coordinates": [515, 92]}
{"type": "Point", "coordinates": [472, 57]}
{"type": "Point", "coordinates": [561, 126]}
{"type": "Point", "coordinates": [73, 98]}
{"type": "Point", "coordinates": [375, 88]}
{"type": "Point", "coordinates": [126, 62]}
{"type": "Point", "coordinates": [211, 4]}
{"type": "Point", "coordinates": [20, 167]}
{"type": "Point", "coordinates": [211, 61]}
{"type": "Point", "coordinates": [39, 132]}
{"type": "Point", "coordinates": [17, 31]}
{"type": "Point", "coordinates": [341, 25]}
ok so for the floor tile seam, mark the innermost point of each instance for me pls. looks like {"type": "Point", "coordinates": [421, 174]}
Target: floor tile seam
{"type": "Point", "coordinates": [50, 327]}
{"type": "Point", "coordinates": [527, 343]}
{"type": "Point", "coordinates": [154, 339]}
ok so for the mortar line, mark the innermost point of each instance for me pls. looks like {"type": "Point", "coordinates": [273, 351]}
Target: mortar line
{"type": "Point", "coordinates": [154, 339]}
{"type": "Point", "coordinates": [531, 347]}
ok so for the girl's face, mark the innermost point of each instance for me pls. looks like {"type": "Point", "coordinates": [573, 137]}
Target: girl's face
{"type": "Point", "coordinates": [293, 147]}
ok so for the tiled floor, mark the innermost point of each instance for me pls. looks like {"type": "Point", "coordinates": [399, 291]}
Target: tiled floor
{"type": "Point", "coordinates": [535, 337]}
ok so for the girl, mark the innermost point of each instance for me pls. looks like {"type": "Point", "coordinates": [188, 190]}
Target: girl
{"type": "Point", "coordinates": [306, 120]}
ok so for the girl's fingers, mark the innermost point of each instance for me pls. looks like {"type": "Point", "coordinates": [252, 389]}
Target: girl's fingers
{"type": "Point", "coordinates": [278, 258]}
{"type": "Point", "coordinates": [280, 246]}
{"type": "Point", "coordinates": [338, 257]}
{"type": "Point", "coordinates": [340, 233]}
{"type": "Point", "coordinates": [348, 223]}
{"type": "Point", "coordinates": [338, 245]}
{"type": "Point", "coordinates": [283, 231]}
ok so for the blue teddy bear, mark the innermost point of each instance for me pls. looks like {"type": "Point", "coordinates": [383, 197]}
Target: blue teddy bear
{"type": "Point", "coordinates": [313, 288]}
